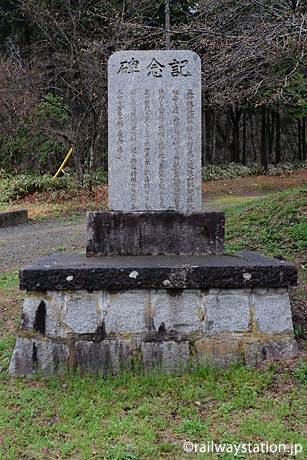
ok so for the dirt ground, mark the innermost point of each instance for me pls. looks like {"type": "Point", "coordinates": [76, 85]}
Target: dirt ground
{"type": "Point", "coordinates": [24, 243]}
{"type": "Point", "coordinates": [254, 186]}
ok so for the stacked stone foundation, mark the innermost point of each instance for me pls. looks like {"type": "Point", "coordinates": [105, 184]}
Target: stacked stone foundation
{"type": "Point", "coordinates": [171, 312]}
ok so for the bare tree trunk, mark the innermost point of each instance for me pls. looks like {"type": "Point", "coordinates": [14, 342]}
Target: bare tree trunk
{"type": "Point", "coordinates": [213, 143]}
{"type": "Point", "coordinates": [264, 139]}
{"type": "Point", "coordinates": [227, 135]}
{"type": "Point", "coordinates": [167, 24]}
{"type": "Point", "coordinates": [91, 163]}
{"type": "Point", "coordinates": [277, 137]}
{"type": "Point", "coordinates": [208, 134]}
{"type": "Point", "coordinates": [271, 134]}
{"type": "Point", "coordinates": [204, 135]}
{"type": "Point", "coordinates": [304, 138]}
{"type": "Point", "coordinates": [78, 169]}
{"type": "Point", "coordinates": [244, 139]}
{"type": "Point", "coordinates": [235, 118]}
{"type": "Point", "coordinates": [253, 137]}
{"type": "Point", "coordinates": [299, 136]}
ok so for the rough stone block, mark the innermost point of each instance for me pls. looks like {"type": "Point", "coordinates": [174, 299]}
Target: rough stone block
{"type": "Point", "coordinates": [22, 358]}
{"type": "Point", "coordinates": [271, 350]}
{"type": "Point", "coordinates": [127, 312]}
{"type": "Point", "coordinates": [272, 311]}
{"type": "Point", "coordinates": [125, 354]}
{"type": "Point", "coordinates": [62, 314]}
{"type": "Point", "coordinates": [169, 356]}
{"type": "Point", "coordinates": [226, 312]}
{"type": "Point", "coordinates": [50, 357]}
{"type": "Point", "coordinates": [38, 356]}
{"type": "Point", "coordinates": [177, 310]}
{"type": "Point", "coordinates": [13, 218]}
{"type": "Point", "coordinates": [147, 328]}
{"type": "Point", "coordinates": [42, 312]}
{"type": "Point", "coordinates": [221, 351]}
{"type": "Point", "coordinates": [29, 311]}
{"type": "Point", "coordinates": [82, 312]}
{"type": "Point", "coordinates": [108, 356]}
{"type": "Point", "coordinates": [153, 233]}
{"type": "Point", "coordinates": [93, 357]}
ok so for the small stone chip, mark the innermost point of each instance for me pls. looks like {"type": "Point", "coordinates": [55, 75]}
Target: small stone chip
{"type": "Point", "coordinates": [247, 276]}
{"type": "Point", "coordinates": [166, 283]}
{"type": "Point", "coordinates": [133, 274]}
{"type": "Point", "coordinates": [69, 278]}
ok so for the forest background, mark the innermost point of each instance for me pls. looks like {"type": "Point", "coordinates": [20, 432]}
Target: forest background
{"type": "Point", "coordinates": [53, 76]}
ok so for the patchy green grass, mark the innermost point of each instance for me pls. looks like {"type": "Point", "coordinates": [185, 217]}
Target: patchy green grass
{"type": "Point", "coordinates": [275, 225]}
{"type": "Point", "coordinates": [150, 416]}
{"type": "Point", "coordinates": [8, 280]}
{"type": "Point", "coordinates": [227, 201]}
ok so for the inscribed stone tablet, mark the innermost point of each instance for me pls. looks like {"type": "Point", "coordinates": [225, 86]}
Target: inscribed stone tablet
{"type": "Point", "coordinates": [154, 131]}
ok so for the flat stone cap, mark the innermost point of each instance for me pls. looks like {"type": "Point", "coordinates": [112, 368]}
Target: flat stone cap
{"type": "Point", "coordinates": [75, 271]}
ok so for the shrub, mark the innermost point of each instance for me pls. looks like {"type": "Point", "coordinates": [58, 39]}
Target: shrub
{"type": "Point", "coordinates": [16, 186]}
{"type": "Point", "coordinates": [13, 187]}
{"type": "Point", "coordinates": [237, 170]}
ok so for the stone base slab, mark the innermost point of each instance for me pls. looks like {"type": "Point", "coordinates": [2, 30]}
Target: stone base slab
{"type": "Point", "coordinates": [105, 331]}
{"type": "Point", "coordinates": [233, 271]}
{"type": "Point", "coordinates": [111, 233]}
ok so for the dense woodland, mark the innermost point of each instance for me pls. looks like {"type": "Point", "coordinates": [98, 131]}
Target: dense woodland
{"type": "Point", "coordinates": [53, 79]}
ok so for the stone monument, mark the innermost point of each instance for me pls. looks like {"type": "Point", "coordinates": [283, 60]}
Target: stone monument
{"type": "Point", "coordinates": [154, 288]}
{"type": "Point", "coordinates": [154, 131]}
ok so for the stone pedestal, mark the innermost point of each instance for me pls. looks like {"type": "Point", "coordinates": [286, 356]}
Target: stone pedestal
{"type": "Point", "coordinates": [155, 289]}
{"type": "Point", "coordinates": [103, 314]}
{"type": "Point", "coordinates": [154, 233]}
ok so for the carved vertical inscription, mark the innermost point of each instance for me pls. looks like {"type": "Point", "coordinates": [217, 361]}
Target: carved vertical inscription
{"type": "Point", "coordinates": [190, 148]}
{"type": "Point", "coordinates": [161, 147]}
{"type": "Point", "coordinates": [133, 148]}
{"type": "Point", "coordinates": [120, 124]}
{"type": "Point", "coordinates": [147, 107]}
{"type": "Point", "coordinates": [176, 148]}
{"type": "Point", "coordinates": [154, 130]}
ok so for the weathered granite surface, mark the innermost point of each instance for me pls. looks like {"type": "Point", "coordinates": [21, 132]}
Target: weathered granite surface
{"type": "Point", "coordinates": [154, 130]}
{"type": "Point", "coordinates": [106, 331]}
{"type": "Point", "coordinates": [74, 271]}
{"type": "Point", "coordinates": [154, 233]}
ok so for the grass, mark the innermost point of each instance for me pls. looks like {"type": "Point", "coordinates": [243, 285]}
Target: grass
{"type": "Point", "coordinates": [143, 417]}
{"type": "Point", "coordinates": [8, 280]}
{"type": "Point", "coordinates": [150, 416]}
{"type": "Point", "coordinates": [275, 225]}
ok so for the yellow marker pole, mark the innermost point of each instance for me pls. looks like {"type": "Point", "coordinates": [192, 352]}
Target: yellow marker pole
{"type": "Point", "coordinates": [62, 165]}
